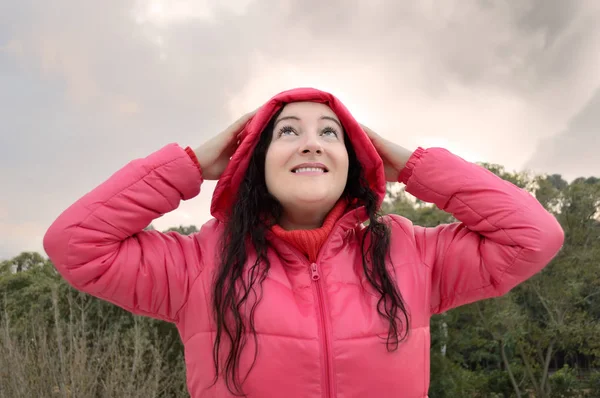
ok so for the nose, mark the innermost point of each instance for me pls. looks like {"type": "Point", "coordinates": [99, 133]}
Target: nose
{"type": "Point", "coordinates": [311, 144]}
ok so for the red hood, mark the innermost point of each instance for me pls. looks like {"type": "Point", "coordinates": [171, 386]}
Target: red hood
{"type": "Point", "coordinates": [227, 186]}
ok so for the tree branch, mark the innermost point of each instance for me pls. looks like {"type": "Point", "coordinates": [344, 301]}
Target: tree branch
{"type": "Point", "coordinates": [509, 370]}
{"type": "Point", "coordinates": [529, 371]}
{"type": "Point", "coordinates": [547, 366]}
{"type": "Point", "coordinates": [544, 304]}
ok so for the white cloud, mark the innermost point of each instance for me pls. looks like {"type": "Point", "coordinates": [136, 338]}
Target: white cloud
{"type": "Point", "coordinates": [86, 89]}
{"type": "Point", "coordinates": [164, 13]}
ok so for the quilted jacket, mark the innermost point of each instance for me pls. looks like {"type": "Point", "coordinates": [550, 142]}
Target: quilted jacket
{"type": "Point", "coordinates": [319, 332]}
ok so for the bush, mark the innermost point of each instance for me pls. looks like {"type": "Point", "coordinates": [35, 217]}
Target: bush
{"type": "Point", "coordinates": [592, 386]}
{"type": "Point", "coordinates": [564, 383]}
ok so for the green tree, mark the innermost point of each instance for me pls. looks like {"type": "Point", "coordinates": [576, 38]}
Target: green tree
{"type": "Point", "coordinates": [510, 344]}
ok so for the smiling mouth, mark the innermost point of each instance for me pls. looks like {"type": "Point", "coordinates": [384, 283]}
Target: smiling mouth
{"type": "Point", "coordinates": [303, 170]}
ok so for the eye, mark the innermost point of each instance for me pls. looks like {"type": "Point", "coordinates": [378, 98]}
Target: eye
{"type": "Point", "coordinates": [286, 130]}
{"type": "Point", "coordinates": [329, 132]}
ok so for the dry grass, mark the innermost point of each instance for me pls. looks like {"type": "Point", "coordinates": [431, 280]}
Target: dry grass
{"type": "Point", "coordinates": [66, 355]}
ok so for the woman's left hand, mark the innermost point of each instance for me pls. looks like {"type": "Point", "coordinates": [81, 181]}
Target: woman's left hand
{"type": "Point", "coordinates": [394, 156]}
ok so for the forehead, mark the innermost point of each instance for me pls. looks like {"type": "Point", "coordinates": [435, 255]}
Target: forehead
{"type": "Point", "coordinates": [307, 110]}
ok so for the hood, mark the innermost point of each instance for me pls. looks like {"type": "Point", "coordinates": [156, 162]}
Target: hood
{"type": "Point", "coordinates": [227, 186]}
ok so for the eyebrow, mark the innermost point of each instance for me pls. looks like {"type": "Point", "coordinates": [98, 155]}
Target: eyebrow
{"type": "Point", "coordinates": [298, 119]}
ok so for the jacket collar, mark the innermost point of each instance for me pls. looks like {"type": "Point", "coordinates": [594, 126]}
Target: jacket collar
{"type": "Point", "coordinates": [351, 221]}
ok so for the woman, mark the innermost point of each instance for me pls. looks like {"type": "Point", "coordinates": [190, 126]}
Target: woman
{"type": "Point", "coordinates": [286, 291]}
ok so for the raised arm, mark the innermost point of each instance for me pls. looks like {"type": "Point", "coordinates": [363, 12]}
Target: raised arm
{"type": "Point", "coordinates": [99, 244]}
{"type": "Point", "coordinates": [100, 247]}
{"type": "Point", "coordinates": [503, 237]}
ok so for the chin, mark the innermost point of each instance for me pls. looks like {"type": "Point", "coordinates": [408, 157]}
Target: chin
{"type": "Point", "coordinates": [314, 200]}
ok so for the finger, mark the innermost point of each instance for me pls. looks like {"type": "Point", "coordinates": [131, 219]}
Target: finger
{"type": "Point", "coordinates": [244, 119]}
{"type": "Point", "coordinates": [239, 124]}
{"type": "Point", "coordinates": [377, 141]}
{"type": "Point", "coordinates": [370, 133]}
{"type": "Point", "coordinates": [368, 130]}
{"type": "Point", "coordinates": [230, 150]}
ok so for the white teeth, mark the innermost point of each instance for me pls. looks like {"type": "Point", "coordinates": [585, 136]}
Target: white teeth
{"type": "Point", "coordinates": [309, 169]}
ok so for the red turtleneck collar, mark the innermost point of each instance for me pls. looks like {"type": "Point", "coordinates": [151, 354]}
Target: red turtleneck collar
{"type": "Point", "coordinates": [309, 241]}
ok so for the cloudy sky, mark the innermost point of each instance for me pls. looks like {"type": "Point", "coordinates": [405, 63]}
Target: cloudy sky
{"type": "Point", "coordinates": [86, 88]}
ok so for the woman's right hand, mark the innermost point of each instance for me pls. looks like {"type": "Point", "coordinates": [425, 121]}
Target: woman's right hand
{"type": "Point", "coordinates": [214, 154]}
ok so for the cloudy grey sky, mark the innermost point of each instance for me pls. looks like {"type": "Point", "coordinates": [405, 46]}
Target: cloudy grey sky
{"type": "Point", "coordinates": [86, 88]}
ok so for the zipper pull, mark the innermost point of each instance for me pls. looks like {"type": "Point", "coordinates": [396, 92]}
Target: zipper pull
{"type": "Point", "coordinates": [314, 272]}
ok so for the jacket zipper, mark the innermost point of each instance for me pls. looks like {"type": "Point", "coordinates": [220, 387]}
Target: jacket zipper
{"type": "Point", "coordinates": [316, 277]}
{"type": "Point", "coordinates": [314, 270]}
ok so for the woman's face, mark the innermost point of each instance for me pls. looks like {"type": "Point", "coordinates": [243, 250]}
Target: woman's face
{"type": "Point", "coordinates": [306, 165]}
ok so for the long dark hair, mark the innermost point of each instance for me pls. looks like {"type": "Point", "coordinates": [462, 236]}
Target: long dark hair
{"type": "Point", "coordinates": [234, 286]}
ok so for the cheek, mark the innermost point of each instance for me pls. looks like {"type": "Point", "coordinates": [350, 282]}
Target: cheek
{"type": "Point", "coordinates": [343, 161]}
{"type": "Point", "coordinates": [268, 169]}
{"type": "Point", "coordinates": [278, 156]}
{"type": "Point", "coordinates": [343, 167]}
{"type": "Point", "coordinates": [273, 165]}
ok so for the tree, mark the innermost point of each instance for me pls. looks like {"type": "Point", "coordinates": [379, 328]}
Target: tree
{"type": "Point", "coordinates": [549, 321]}
{"type": "Point", "coordinates": [22, 262]}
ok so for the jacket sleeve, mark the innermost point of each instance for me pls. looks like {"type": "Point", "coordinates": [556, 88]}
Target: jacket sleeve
{"type": "Point", "coordinates": [100, 247]}
{"type": "Point", "coordinates": [503, 237]}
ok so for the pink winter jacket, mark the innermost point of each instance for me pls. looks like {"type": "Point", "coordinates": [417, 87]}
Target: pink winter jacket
{"type": "Point", "coordinates": [317, 337]}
